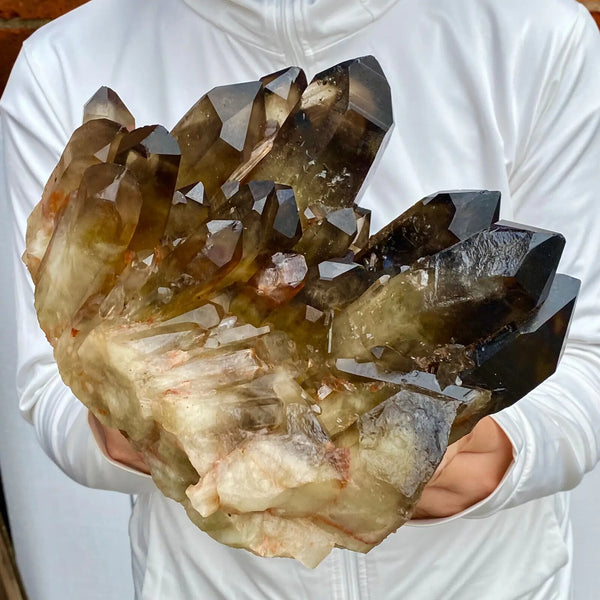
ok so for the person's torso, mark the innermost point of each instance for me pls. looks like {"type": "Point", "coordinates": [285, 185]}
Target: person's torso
{"type": "Point", "coordinates": [454, 72]}
{"type": "Point", "coordinates": [517, 554]}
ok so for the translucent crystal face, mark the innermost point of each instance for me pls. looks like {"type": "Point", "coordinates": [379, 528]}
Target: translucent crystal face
{"type": "Point", "coordinates": [105, 104]}
{"type": "Point", "coordinates": [214, 293]}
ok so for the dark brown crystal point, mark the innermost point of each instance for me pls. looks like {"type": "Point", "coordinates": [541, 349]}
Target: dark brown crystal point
{"type": "Point", "coordinates": [189, 210]}
{"type": "Point", "coordinates": [192, 271]}
{"type": "Point", "coordinates": [432, 224]}
{"type": "Point", "coordinates": [328, 233]}
{"type": "Point", "coordinates": [451, 298]}
{"type": "Point", "coordinates": [518, 358]}
{"type": "Point", "coordinates": [153, 156]}
{"type": "Point", "coordinates": [219, 133]}
{"type": "Point", "coordinates": [342, 119]}
{"type": "Point", "coordinates": [286, 225]}
{"type": "Point", "coordinates": [271, 206]}
{"type": "Point", "coordinates": [106, 104]}
{"type": "Point", "coordinates": [333, 284]}
{"type": "Point", "coordinates": [283, 90]}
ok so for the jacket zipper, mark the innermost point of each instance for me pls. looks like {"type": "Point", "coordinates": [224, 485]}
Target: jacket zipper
{"type": "Point", "coordinates": [351, 575]}
{"type": "Point", "coordinates": [291, 39]}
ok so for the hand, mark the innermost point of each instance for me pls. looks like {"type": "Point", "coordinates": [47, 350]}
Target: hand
{"type": "Point", "coordinates": [117, 446]}
{"type": "Point", "coordinates": [470, 471]}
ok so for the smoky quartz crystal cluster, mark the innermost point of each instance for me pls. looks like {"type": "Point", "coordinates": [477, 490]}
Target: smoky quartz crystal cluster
{"type": "Point", "coordinates": [215, 294]}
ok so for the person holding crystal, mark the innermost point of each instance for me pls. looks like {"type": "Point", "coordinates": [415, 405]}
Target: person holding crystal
{"type": "Point", "coordinates": [486, 95]}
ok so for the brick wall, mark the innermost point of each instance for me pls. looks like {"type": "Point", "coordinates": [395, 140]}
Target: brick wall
{"type": "Point", "coordinates": [19, 18]}
{"type": "Point", "coordinates": [594, 6]}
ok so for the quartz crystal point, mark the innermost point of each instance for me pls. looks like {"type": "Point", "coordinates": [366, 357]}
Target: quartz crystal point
{"type": "Point", "coordinates": [334, 283]}
{"type": "Point", "coordinates": [153, 156]}
{"type": "Point", "coordinates": [513, 361]}
{"type": "Point", "coordinates": [215, 294]}
{"type": "Point", "coordinates": [80, 153]}
{"type": "Point", "coordinates": [88, 246]}
{"type": "Point", "coordinates": [189, 211]}
{"type": "Point", "coordinates": [254, 221]}
{"type": "Point", "coordinates": [219, 133]}
{"type": "Point", "coordinates": [342, 119]}
{"type": "Point", "coordinates": [436, 222]}
{"type": "Point", "coordinates": [106, 104]}
{"type": "Point", "coordinates": [282, 93]}
{"type": "Point", "coordinates": [448, 300]}
{"type": "Point", "coordinates": [232, 127]}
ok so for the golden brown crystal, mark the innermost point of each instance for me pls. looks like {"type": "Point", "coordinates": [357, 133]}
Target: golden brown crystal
{"type": "Point", "coordinates": [214, 294]}
{"type": "Point", "coordinates": [106, 104]}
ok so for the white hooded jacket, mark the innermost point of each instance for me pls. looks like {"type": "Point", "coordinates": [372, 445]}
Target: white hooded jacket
{"type": "Point", "coordinates": [487, 94]}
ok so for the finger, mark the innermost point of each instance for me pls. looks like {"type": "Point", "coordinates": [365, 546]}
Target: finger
{"type": "Point", "coordinates": [436, 503]}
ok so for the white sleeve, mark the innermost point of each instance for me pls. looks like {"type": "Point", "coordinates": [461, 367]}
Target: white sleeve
{"type": "Point", "coordinates": [31, 141]}
{"type": "Point", "coordinates": [555, 183]}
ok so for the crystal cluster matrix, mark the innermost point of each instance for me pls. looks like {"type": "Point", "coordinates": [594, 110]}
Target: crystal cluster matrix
{"type": "Point", "coordinates": [214, 293]}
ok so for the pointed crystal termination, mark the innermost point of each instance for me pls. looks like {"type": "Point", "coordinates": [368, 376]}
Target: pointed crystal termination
{"type": "Point", "coordinates": [363, 228]}
{"type": "Point", "coordinates": [189, 210]}
{"type": "Point", "coordinates": [255, 206]}
{"type": "Point", "coordinates": [271, 204]}
{"type": "Point", "coordinates": [271, 287]}
{"type": "Point", "coordinates": [429, 226]}
{"type": "Point", "coordinates": [87, 140]}
{"type": "Point", "coordinates": [80, 152]}
{"type": "Point", "coordinates": [342, 119]}
{"type": "Point", "coordinates": [191, 272]}
{"type": "Point", "coordinates": [452, 298]}
{"type": "Point", "coordinates": [219, 133]}
{"type": "Point", "coordinates": [270, 216]}
{"type": "Point", "coordinates": [334, 283]}
{"type": "Point", "coordinates": [283, 90]}
{"type": "Point", "coordinates": [153, 156]}
{"type": "Point", "coordinates": [328, 233]}
{"type": "Point", "coordinates": [265, 217]}
{"type": "Point", "coordinates": [537, 270]}
{"type": "Point", "coordinates": [88, 245]}
{"type": "Point", "coordinates": [517, 359]}
{"type": "Point", "coordinates": [106, 104]}
{"type": "Point", "coordinates": [287, 229]}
